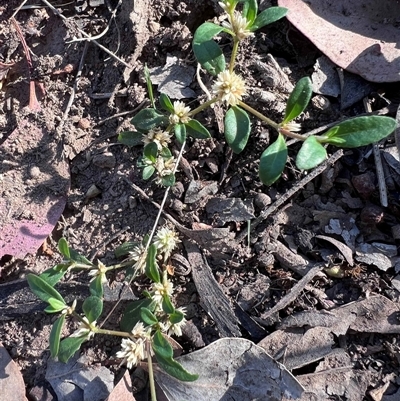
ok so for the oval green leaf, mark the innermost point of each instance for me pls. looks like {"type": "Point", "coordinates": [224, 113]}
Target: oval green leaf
{"type": "Point", "coordinates": [43, 290]}
{"type": "Point", "coordinates": [55, 335]}
{"type": "Point", "coordinates": [131, 313]}
{"type": "Point", "coordinates": [298, 99]}
{"type": "Point", "coordinates": [96, 286]}
{"type": "Point", "coordinates": [63, 247]}
{"type": "Point", "coordinates": [268, 16]}
{"type": "Point", "coordinates": [125, 248]}
{"type": "Point", "coordinates": [168, 180]}
{"type": "Point", "coordinates": [147, 119]}
{"type": "Point", "coordinates": [311, 154]}
{"type": "Point", "coordinates": [163, 352]}
{"type": "Point", "coordinates": [130, 138]}
{"type": "Point", "coordinates": [273, 161]}
{"type": "Point", "coordinates": [150, 151]}
{"type": "Point", "coordinates": [237, 128]}
{"type": "Point", "coordinates": [359, 131]}
{"type": "Point", "coordinates": [176, 317]}
{"type": "Point", "coordinates": [69, 346]}
{"type": "Point", "coordinates": [147, 172]}
{"type": "Point", "coordinates": [55, 305]}
{"type": "Point", "coordinates": [197, 130]}
{"type": "Point", "coordinates": [207, 52]}
{"type": "Point", "coordinates": [92, 308]}
{"type": "Point", "coordinates": [166, 103]}
{"type": "Point", "coordinates": [148, 317]}
{"type": "Point", "coordinates": [167, 305]}
{"type": "Point", "coordinates": [78, 258]}
{"type": "Point", "coordinates": [180, 133]}
{"type": "Point", "coordinates": [54, 275]}
{"type": "Point", "coordinates": [151, 270]}
{"type": "Point", "coordinates": [250, 9]}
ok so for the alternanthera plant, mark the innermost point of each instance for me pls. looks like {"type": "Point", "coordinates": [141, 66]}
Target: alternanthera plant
{"type": "Point", "coordinates": [155, 128]}
{"type": "Point", "coordinates": [145, 324]}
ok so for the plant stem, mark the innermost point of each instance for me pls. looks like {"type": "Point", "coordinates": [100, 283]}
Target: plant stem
{"type": "Point", "coordinates": [259, 115]}
{"type": "Point", "coordinates": [151, 374]}
{"type": "Point", "coordinates": [292, 134]}
{"type": "Point", "coordinates": [203, 106]}
{"type": "Point", "coordinates": [113, 332]}
{"type": "Point", "coordinates": [234, 53]}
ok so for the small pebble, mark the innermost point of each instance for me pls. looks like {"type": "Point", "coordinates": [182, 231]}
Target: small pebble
{"type": "Point", "coordinates": [262, 201]}
{"type": "Point", "coordinates": [34, 172]}
{"type": "Point", "coordinates": [104, 160]}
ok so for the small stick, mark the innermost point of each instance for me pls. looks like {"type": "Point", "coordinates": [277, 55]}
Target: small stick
{"type": "Point", "coordinates": [33, 102]}
{"type": "Point", "coordinates": [88, 37]}
{"type": "Point", "coordinates": [378, 164]}
{"type": "Point", "coordinates": [288, 194]}
{"type": "Point", "coordinates": [293, 293]}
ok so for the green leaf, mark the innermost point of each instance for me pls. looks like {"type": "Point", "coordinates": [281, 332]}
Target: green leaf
{"type": "Point", "coordinates": [298, 99]}
{"type": "Point", "coordinates": [268, 16]}
{"type": "Point", "coordinates": [92, 308]}
{"type": "Point", "coordinates": [237, 128]}
{"type": "Point", "coordinates": [78, 258]}
{"type": "Point", "coordinates": [152, 271]}
{"type": "Point", "coordinates": [147, 172]}
{"type": "Point", "coordinates": [207, 52]}
{"type": "Point", "coordinates": [96, 286]}
{"type": "Point", "coordinates": [55, 305]}
{"type": "Point", "coordinates": [359, 131]}
{"type": "Point", "coordinates": [163, 352]}
{"type": "Point", "coordinates": [150, 151]}
{"type": "Point", "coordinates": [250, 10]}
{"type": "Point", "coordinates": [69, 346]}
{"type": "Point", "coordinates": [168, 180]}
{"type": "Point", "coordinates": [311, 154]}
{"type": "Point", "coordinates": [148, 317]}
{"type": "Point", "coordinates": [180, 133]}
{"type": "Point", "coordinates": [54, 275]}
{"type": "Point", "coordinates": [43, 290]}
{"type": "Point", "coordinates": [176, 317]}
{"type": "Point", "coordinates": [147, 119]}
{"type": "Point", "coordinates": [125, 248]}
{"type": "Point", "coordinates": [166, 153]}
{"type": "Point", "coordinates": [63, 247]}
{"type": "Point", "coordinates": [149, 85]}
{"type": "Point", "coordinates": [166, 103]}
{"type": "Point", "coordinates": [130, 138]}
{"type": "Point", "coordinates": [273, 161]}
{"type": "Point", "coordinates": [167, 305]}
{"type": "Point", "coordinates": [55, 335]}
{"type": "Point", "coordinates": [131, 313]}
{"type": "Point", "coordinates": [196, 130]}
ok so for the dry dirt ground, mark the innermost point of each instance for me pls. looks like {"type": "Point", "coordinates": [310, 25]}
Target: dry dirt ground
{"type": "Point", "coordinates": [79, 149]}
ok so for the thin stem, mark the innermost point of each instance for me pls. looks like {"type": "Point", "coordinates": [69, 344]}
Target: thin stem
{"type": "Point", "coordinates": [292, 134]}
{"type": "Point", "coordinates": [112, 332]}
{"type": "Point", "coordinates": [151, 374]}
{"type": "Point", "coordinates": [259, 115]}
{"type": "Point", "coordinates": [203, 106]}
{"type": "Point", "coordinates": [234, 53]}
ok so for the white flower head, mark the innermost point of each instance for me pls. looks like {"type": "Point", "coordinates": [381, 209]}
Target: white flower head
{"type": "Point", "coordinates": [69, 309]}
{"type": "Point", "coordinates": [238, 25]}
{"type": "Point", "coordinates": [159, 290]}
{"type": "Point", "coordinates": [100, 271]}
{"type": "Point", "coordinates": [158, 136]}
{"type": "Point", "coordinates": [138, 256]}
{"type": "Point", "coordinates": [164, 167]}
{"type": "Point", "coordinates": [292, 126]}
{"type": "Point", "coordinates": [132, 351]}
{"type": "Point", "coordinates": [84, 329]}
{"type": "Point", "coordinates": [180, 114]}
{"type": "Point", "coordinates": [166, 241]}
{"type": "Point", "coordinates": [139, 331]}
{"type": "Point", "coordinates": [229, 87]}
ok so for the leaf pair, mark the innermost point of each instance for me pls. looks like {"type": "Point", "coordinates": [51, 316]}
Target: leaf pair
{"type": "Point", "coordinates": [207, 51]}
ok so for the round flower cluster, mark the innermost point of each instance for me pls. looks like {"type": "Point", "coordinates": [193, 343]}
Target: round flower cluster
{"type": "Point", "coordinates": [166, 241]}
{"type": "Point", "coordinates": [158, 136]}
{"type": "Point", "coordinates": [238, 25]}
{"type": "Point", "coordinates": [180, 114]}
{"type": "Point", "coordinates": [229, 87]}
